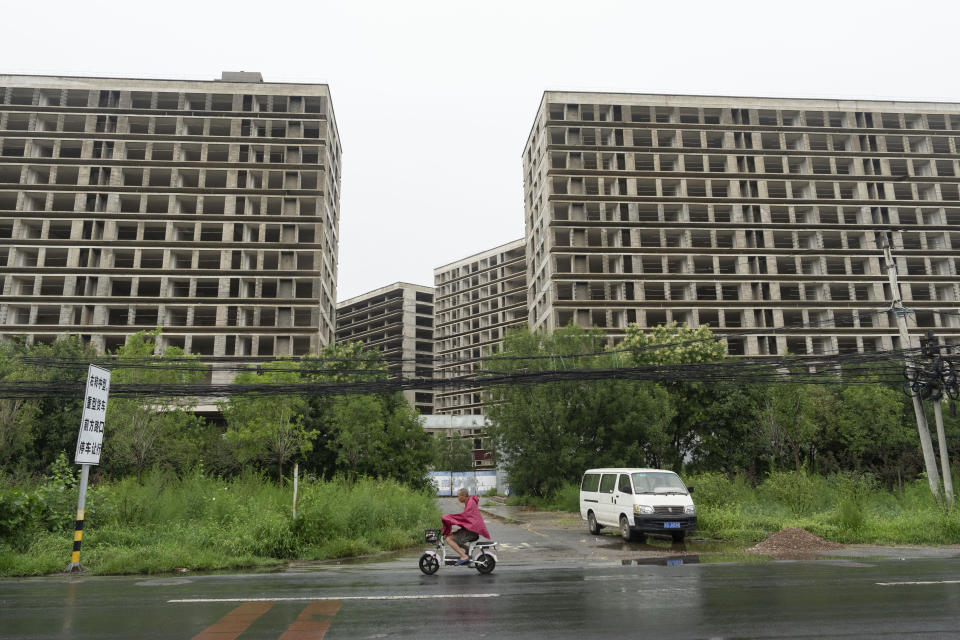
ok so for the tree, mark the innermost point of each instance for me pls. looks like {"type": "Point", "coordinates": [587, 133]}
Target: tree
{"type": "Point", "coordinates": [547, 434]}
{"type": "Point", "coordinates": [790, 419]}
{"type": "Point", "coordinates": [379, 436]}
{"type": "Point", "coordinates": [338, 363]}
{"type": "Point", "coordinates": [147, 430]}
{"type": "Point", "coordinates": [16, 414]}
{"type": "Point", "coordinates": [673, 344]}
{"type": "Point", "coordinates": [52, 427]}
{"type": "Point", "coordinates": [376, 434]}
{"type": "Point", "coordinates": [727, 439]}
{"type": "Point", "coordinates": [269, 427]}
{"type": "Point", "coordinates": [451, 453]}
{"type": "Point", "coordinates": [869, 432]}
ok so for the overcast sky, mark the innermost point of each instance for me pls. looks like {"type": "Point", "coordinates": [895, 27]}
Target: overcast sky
{"type": "Point", "coordinates": [434, 100]}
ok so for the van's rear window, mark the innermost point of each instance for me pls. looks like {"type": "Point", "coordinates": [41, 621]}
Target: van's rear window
{"type": "Point", "coordinates": [591, 482]}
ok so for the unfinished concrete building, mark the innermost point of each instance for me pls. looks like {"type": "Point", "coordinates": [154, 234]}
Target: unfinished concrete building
{"type": "Point", "coordinates": [478, 299]}
{"type": "Point", "coordinates": [398, 321]}
{"type": "Point", "coordinates": [758, 216]}
{"type": "Point", "coordinates": [208, 208]}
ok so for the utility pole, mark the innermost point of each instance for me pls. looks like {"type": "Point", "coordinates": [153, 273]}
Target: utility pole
{"type": "Point", "coordinates": [926, 444]}
{"type": "Point", "coordinates": [933, 350]}
{"type": "Point", "coordinates": [944, 458]}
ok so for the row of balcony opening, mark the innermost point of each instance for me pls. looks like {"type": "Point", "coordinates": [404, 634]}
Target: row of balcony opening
{"type": "Point", "coordinates": [762, 117]}
{"type": "Point", "coordinates": [161, 100]}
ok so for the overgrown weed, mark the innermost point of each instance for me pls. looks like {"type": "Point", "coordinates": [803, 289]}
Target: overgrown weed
{"type": "Point", "coordinates": [197, 522]}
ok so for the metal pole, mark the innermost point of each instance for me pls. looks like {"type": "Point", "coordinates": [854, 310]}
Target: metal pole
{"type": "Point", "coordinates": [944, 457]}
{"type": "Point", "coordinates": [78, 529]}
{"type": "Point", "coordinates": [296, 476]}
{"type": "Point", "coordinates": [926, 444]}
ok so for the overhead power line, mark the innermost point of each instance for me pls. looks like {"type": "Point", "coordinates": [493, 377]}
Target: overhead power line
{"type": "Point", "coordinates": [826, 369]}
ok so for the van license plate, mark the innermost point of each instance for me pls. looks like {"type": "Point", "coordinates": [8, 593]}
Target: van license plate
{"type": "Point", "coordinates": [671, 525]}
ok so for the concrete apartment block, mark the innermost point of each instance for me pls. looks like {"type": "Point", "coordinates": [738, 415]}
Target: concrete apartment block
{"type": "Point", "coordinates": [478, 299]}
{"type": "Point", "coordinates": [757, 216]}
{"type": "Point", "coordinates": [208, 208]}
{"type": "Point", "coordinates": [397, 320]}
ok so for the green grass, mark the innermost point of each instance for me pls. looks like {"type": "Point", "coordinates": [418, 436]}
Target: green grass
{"type": "Point", "coordinates": [201, 523]}
{"type": "Point", "coordinates": [566, 498]}
{"type": "Point", "coordinates": [846, 508]}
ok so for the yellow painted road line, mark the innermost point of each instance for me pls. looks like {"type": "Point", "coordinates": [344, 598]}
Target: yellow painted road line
{"type": "Point", "coordinates": [234, 623]}
{"type": "Point", "coordinates": [536, 532]}
{"type": "Point", "coordinates": [313, 622]}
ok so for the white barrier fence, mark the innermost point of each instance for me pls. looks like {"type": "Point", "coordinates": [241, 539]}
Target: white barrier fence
{"type": "Point", "coordinates": [476, 482]}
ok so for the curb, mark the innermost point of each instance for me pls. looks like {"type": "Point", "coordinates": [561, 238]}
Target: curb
{"type": "Point", "coordinates": [501, 518]}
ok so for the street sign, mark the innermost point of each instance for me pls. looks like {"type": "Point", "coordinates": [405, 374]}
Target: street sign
{"type": "Point", "coordinates": [90, 440]}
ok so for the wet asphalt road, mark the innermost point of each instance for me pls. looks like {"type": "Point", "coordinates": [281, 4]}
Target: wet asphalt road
{"type": "Point", "coordinates": [535, 592]}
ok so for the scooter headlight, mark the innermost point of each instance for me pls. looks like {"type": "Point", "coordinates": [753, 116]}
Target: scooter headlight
{"type": "Point", "coordinates": [642, 509]}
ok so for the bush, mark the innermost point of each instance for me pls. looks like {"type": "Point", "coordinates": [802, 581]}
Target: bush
{"type": "Point", "coordinates": [801, 492]}
{"type": "Point", "coordinates": [853, 491]}
{"type": "Point", "coordinates": [717, 490]}
{"type": "Point", "coordinates": [21, 516]}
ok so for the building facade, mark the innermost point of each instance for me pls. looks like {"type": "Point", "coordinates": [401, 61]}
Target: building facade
{"type": "Point", "coordinates": [478, 299]}
{"type": "Point", "coordinates": [760, 217]}
{"type": "Point", "coordinates": [208, 208]}
{"type": "Point", "coordinates": [398, 321]}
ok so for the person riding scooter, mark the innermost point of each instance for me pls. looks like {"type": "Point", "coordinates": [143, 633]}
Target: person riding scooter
{"type": "Point", "coordinates": [470, 522]}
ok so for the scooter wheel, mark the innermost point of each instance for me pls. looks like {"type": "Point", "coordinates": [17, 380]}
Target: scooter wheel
{"type": "Point", "coordinates": [485, 563]}
{"type": "Point", "coordinates": [429, 564]}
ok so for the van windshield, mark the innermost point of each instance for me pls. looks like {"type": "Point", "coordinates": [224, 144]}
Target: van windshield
{"type": "Point", "coordinates": [662, 482]}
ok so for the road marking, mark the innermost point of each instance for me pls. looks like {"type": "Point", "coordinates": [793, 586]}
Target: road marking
{"type": "Point", "coordinates": [234, 623]}
{"type": "Point", "coordinates": [321, 598]}
{"type": "Point", "coordinates": [896, 584]}
{"type": "Point", "coordinates": [313, 622]}
{"type": "Point", "coordinates": [536, 532]}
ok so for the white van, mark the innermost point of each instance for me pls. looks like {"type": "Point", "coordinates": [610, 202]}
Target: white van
{"type": "Point", "coordinates": [638, 501]}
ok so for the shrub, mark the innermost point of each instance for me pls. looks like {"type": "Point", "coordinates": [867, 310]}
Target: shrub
{"type": "Point", "coordinates": [801, 492]}
{"type": "Point", "coordinates": [716, 490]}
{"type": "Point", "coordinates": [853, 490]}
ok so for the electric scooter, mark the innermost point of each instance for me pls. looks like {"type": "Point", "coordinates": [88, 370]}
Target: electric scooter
{"type": "Point", "coordinates": [483, 555]}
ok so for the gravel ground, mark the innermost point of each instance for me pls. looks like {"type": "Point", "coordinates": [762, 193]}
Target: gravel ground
{"type": "Point", "coordinates": [792, 542]}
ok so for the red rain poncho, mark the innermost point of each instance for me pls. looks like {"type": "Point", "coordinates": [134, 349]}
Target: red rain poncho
{"type": "Point", "coordinates": [470, 519]}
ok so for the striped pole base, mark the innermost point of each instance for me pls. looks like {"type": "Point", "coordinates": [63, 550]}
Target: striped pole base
{"type": "Point", "coordinates": [77, 539]}
{"type": "Point", "coordinates": [74, 565]}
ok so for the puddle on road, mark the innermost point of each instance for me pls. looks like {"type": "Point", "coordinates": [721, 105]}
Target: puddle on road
{"type": "Point", "coordinates": [691, 551]}
{"type": "Point", "coordinates": [672, 561]}
{"type": "Point", "coordinates": [387, 556]}
{"type": "Point", "coordinates": [692, 545]}
{"type": "Point", "coordinates": [163, 582]}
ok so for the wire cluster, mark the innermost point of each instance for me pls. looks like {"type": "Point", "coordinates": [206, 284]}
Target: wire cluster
{"type": "Point", "coordinates": [934, 378]}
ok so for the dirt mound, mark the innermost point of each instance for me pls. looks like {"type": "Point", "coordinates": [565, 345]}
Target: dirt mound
{"type": "Point", "coordinates": [791, 541]}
